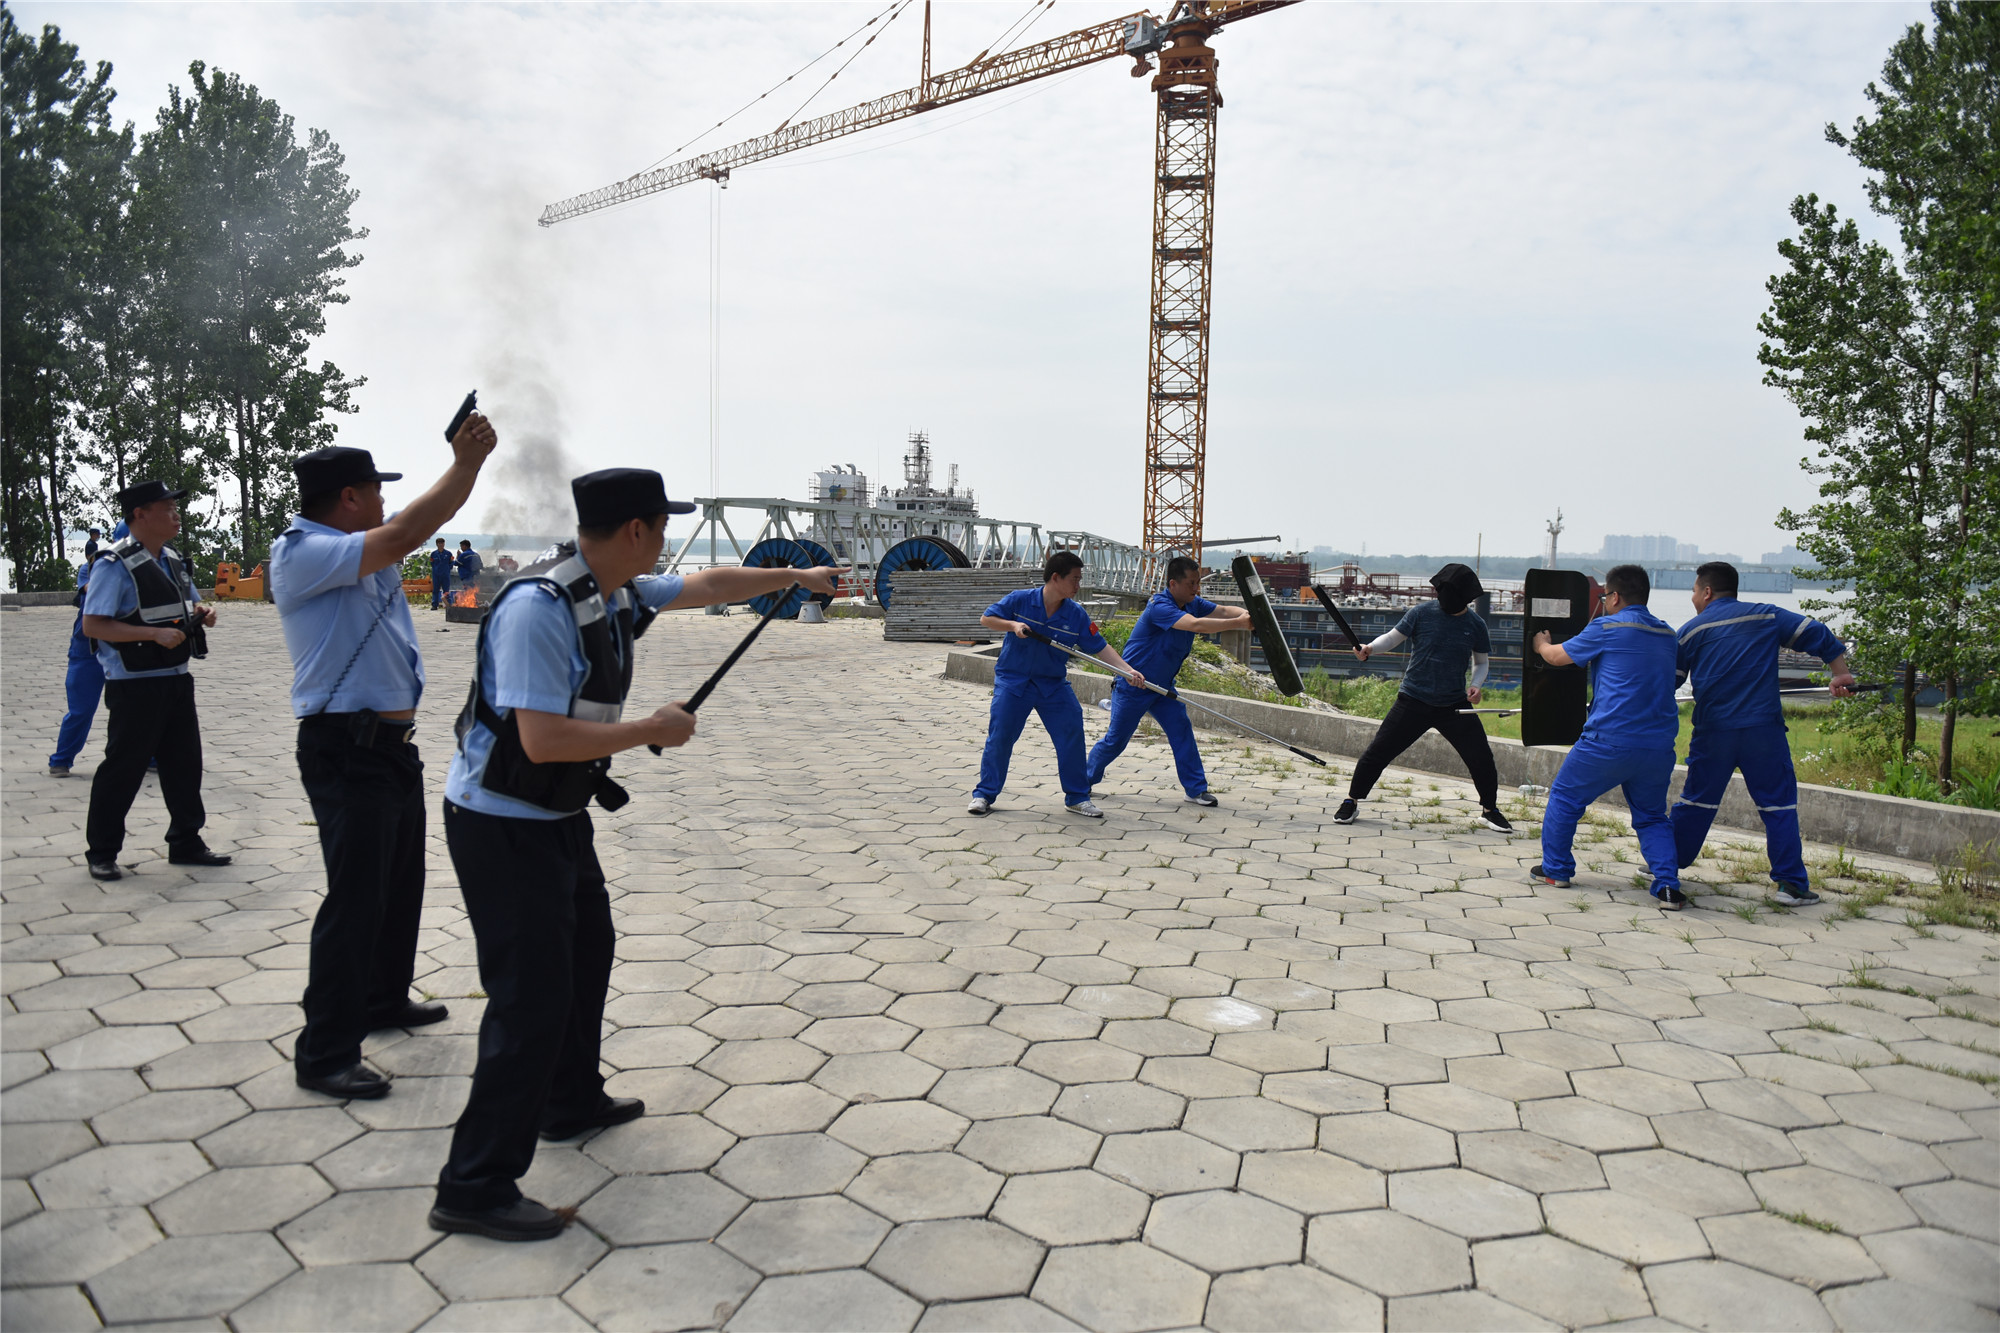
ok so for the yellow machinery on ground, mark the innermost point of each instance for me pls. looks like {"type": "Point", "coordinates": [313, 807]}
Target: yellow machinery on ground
{"type": "Point", "coordinates": [231, 585]}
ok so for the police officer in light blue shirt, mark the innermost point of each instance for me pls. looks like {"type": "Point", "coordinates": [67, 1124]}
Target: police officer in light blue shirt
{"type": "Point", "coordinates": [543, 718]}
{"type": "Point", "coordinates": [1628, 738]}
{"type": "Point", "coordinates": [142, 609]}
{"type": "Point", "coordinates": [336, 576]}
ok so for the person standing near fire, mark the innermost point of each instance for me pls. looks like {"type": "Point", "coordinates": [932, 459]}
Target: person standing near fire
{"type": "Point", "coordinates": [441, 565]}
{"type": "Point", "coordinates": [336, 575]}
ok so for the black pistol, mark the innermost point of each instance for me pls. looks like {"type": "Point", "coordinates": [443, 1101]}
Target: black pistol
{"type": "Point", "coordinates": [465, 409]}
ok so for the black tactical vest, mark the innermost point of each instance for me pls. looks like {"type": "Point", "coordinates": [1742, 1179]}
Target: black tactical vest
{"type": "Point", "coordinates": [166, 601]}
{"type": "Point", "coordinates": [606, 629]}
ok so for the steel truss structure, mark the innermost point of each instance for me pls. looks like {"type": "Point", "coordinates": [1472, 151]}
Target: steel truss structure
{"type": "Point", "coordinates": [861, 534]}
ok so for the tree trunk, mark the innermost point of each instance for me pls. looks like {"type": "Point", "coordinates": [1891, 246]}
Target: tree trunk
{"type": "Point", "coordinates": [1909, 708]}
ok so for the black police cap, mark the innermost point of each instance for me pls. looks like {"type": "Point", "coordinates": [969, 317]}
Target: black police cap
{"type": "Point", "coordinates": [614, 495]}
{"type": "Point", "coordinates": [145, 493]}
{"type": "Point", "coordinates": [336, 467]}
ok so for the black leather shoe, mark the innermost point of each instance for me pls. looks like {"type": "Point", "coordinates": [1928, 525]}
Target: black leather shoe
{"type": "Point", "coordinates": [523, 1219]}
{"type": "Point", "coordinates": [105, 870]}
{"type": "Point", "coordinates": [199, 856]}
{"type": "Point", "coordinates": [357, 1082]}
{"type": "Point", "coordinates": [614, 1111]}
{"type": "Point", "coordinates": [415, 1014]}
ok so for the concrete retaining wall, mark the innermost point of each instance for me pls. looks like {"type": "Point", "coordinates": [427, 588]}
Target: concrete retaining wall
{"type": "Point", "coordinates": [63, 598]}
{"type": "Point", "coordinates": [1890, 825]}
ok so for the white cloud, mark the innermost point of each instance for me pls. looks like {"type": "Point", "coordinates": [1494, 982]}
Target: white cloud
{"type": "Point", "coordinates": [1474, 262]}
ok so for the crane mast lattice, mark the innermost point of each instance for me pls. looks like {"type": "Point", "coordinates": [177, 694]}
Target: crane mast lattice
{"type": "Point", "coordinates": [1183, 211]}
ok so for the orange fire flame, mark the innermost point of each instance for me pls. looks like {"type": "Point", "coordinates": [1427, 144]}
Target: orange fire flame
{"type": "Point", "coordinates": [464, 598]}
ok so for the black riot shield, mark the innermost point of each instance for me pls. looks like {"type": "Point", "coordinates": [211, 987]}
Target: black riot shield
{"type": "Point", "coordinates": [1277, 653]}
{"type": "Point", "coordinates": [1554, 699]}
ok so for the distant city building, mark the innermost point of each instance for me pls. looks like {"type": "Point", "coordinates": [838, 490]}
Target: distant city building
{"type": "Point", "coordinates": [1687, 551]}
{"type": "Point", "coordinates": [1651, 549]}
{"type": "Point", "coordinates": [1790, 556]}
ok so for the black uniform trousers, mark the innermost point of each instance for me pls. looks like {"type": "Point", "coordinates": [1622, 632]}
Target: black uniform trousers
{"type": "Point", "coordinates": [1408, 720]}
{"type": "Point", "coordinates": [542, 922]}
{"type": "Point", "coordinates": [151, 717]}
{"type": "Point", "coordinates": [369, 801]}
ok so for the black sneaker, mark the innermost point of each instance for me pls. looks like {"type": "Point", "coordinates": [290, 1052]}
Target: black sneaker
{"type": "Point", "coordinates": [1541, 876]}
{"type": "Point", "coordinates": [1670, 900]}
{"type": "Point", "coordinates": [523, 1219]}
{"type": "Point", "coordinates": [1348, 809]}
{"type": "Point", "coordinates": [1494, 820]}
{"type": "Point", "coordinates": [1791, 895]}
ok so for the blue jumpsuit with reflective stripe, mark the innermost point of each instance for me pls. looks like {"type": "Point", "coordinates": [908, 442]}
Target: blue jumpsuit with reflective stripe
{"type": "Point", "coordinates": [1034, 678]}
{"type": "Point", "coordinates": [1730, 652]}
{"type": "Point", "coordinates": [1155, 650]}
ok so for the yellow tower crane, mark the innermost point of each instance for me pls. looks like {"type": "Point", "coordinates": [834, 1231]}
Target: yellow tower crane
{"type": "Point", "coordinates": [1183, 210]}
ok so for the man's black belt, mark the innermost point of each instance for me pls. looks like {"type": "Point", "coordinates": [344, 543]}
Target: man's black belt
{"type": "Point", "coordinates": [366, 728]}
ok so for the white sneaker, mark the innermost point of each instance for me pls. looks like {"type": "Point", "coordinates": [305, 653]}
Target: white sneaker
{"type": "Point", "coordinates": [1203, 798]}
{"type": "Point", "coordinates": [978, 805]}
{"type": "Point", "coordinates": [1087, 810]}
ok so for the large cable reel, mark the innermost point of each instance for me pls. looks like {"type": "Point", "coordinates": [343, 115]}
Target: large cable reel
{"type": "Point", "coordinates": [785, 553]}
{"type": "Point", "coordinates": [915, 553]}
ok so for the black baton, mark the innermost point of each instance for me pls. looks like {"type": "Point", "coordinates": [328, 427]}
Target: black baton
{"type": "Point", "coordinates": [1338, 619]}
{"type": "Point", "coordinates": [708, 686]}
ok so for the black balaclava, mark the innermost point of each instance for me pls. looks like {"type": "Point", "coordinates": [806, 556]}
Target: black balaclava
{"type": "Point", "coordinates": [1457, 588]}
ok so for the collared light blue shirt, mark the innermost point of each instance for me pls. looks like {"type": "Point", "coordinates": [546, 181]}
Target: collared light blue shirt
{"type": "Point", "coordinates": [1631, 660]}
{"type": "Point", "coordinates": [1730, 652]}
{"type": "Point", "coordinates": [532, 657]}
{"type": "Point", "coordinates": [1156, 649]}
{"type": "Point", "coordinates": [111, 592]}
{"type": "Point", "coordinates": [327, 608]}
{"type": "Point", "coordinates": [1024, 659]}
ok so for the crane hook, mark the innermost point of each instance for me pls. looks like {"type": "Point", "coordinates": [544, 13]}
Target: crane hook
{"type": "Point", "coordinates": [1141, 67]}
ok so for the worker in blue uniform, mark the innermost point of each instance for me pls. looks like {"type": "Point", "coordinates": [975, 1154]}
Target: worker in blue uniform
{"type": "Point", "coordinates": [1729, 652]}
{"type": "Point", "coordinates": [1159, 643]}
{"type": "Point", "coordinates": [1032, 677]}
{"type": "Point", "coordinates": [83, 682]}
{"type": "Point", "coordinates": [441, 567]}
{"type": "Point", "coordinates": [1628, 739]}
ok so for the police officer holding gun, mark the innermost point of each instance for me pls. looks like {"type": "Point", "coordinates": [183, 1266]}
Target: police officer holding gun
{"type": "Point", "coordinates": [142, 609]}
{"type": "Point", "coordinates": [543, 718]}
{"type": "Point", "coordinates": [336, 576]}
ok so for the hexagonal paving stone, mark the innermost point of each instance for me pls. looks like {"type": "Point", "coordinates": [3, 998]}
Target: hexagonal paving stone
{"type": "Point", "coordinates": [1288, 1297]}
{"type": "Point", "coordinates": [1312, 1182]}
{"type": "Point", "coordinates": [1536, 1164]}
{"type": "Point", "coordinates": [786, 1166]}
{"type": "Point", "coordinates": [366, 1226]}
{"type": "Point", "coordinates": [1590, 1125]}
{"type": "Point", "coordinates": [243, 1198]}
{"type": "Point", "coordinates": [162, 1116]}
{"type": "Point", "coordinates": [848, 1300]}
{"type": "Point", "coordinates": [958, 1260]}
{"type": "Point", "coordinates": [135, 1173]}
{"type": "Point", "coordinates": [918, 1187]}
{"type": "Point", "coordinates": [1466, 1203]}
{"type": "Point", "coordinates": [1128, 1285]}
{"type": "Point", "coordinates": [1388, 1253]}
{"type": "Point", "coordinates": [1029, 1143]}
{"type": "Point", "coordinates": [894, 1127]}
{"type": "Point", "coordinates": [74, 1244]}
{"type": "Point", "coordinates": [1167, 1161]}
{"type": "Point", "coordinates": [1710, 1293]}
{"type": "Point", "coordinates": [1853, 1151]}
{"type": "Point", "coordinates": [1785, 1249]}
{"type": "Point", "coordinates": [358, 1296]}
{"type": "Point", "coordinates": [1564, 1282]}
{"type": "Point", "coordinates": [269, 1138]}
{"type": "Point", "coordinates": [639, 1210]}
{"type": "Point", "coordinates": [774, 1108]}
{"type": "Point", "coordinates": [1080, 1062]}
{"type": "Point", "coordinates": [1072, 1207]}
{"type": "Point", "coordinates": [804, 1235]}
{"type": "Point", "coordinates": [472, 1270]}
{"type": "Point", "coordinates": [189, 1277]}
{"type": "Point", "coordinates": [1855, 1206]}
{"type": "Point", "coordinates": [1891, 1305]}
{"type": "Point", "coordinates": [651, 1287]}
{"type": "Point", "coordinates": [877, 1076]}
{"type": "Point", "coordinates": [1625, 1226]}
{"type": "Point", "coordinates": [1452, 1311]}
{"type": "Point", "coordinates": [1387, 1142]}
{"type": "Point", "coordinates": [1678, 1183]}
{"type": "Point", "coordinates": [1449, 1106]}
{"type": "Point", "coordinates": [985, 1094]}
{"type": "Point", "coordinates": [1250, 1124]}
{"type": "Point", "coordinates": [1938, 1260]}
{"type": "Point", "coordinates": [1223, 1230]}
{"type": "Point", "coordinates": [1112, 1108]}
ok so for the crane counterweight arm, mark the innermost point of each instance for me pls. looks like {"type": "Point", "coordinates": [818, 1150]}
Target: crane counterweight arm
{"type": "Point", "coordinates": [1134, 35]}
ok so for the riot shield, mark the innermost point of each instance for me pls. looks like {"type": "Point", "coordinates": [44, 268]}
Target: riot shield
{"type": "Point", "coordinates": [1554, 699]}
{"type": "Point", "coordinates": [1277, 653]}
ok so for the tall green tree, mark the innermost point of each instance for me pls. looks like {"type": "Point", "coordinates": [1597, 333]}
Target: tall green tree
{"type": "Point", "coordinates": [247, 232]}
{"type": "Point", "coordinates": [58, 156]}
{"type": "Point", "coordinates": [1887, 353]}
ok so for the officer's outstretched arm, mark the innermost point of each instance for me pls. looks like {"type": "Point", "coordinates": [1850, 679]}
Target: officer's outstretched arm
{"type": "Point", "coordinates": [737, 583]}
{"type": "Point", "coordinates": [552, 738]}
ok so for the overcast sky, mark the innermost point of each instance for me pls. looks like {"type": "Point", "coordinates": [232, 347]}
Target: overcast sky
{"type": "Point", "coordinates": [1473, 262]}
